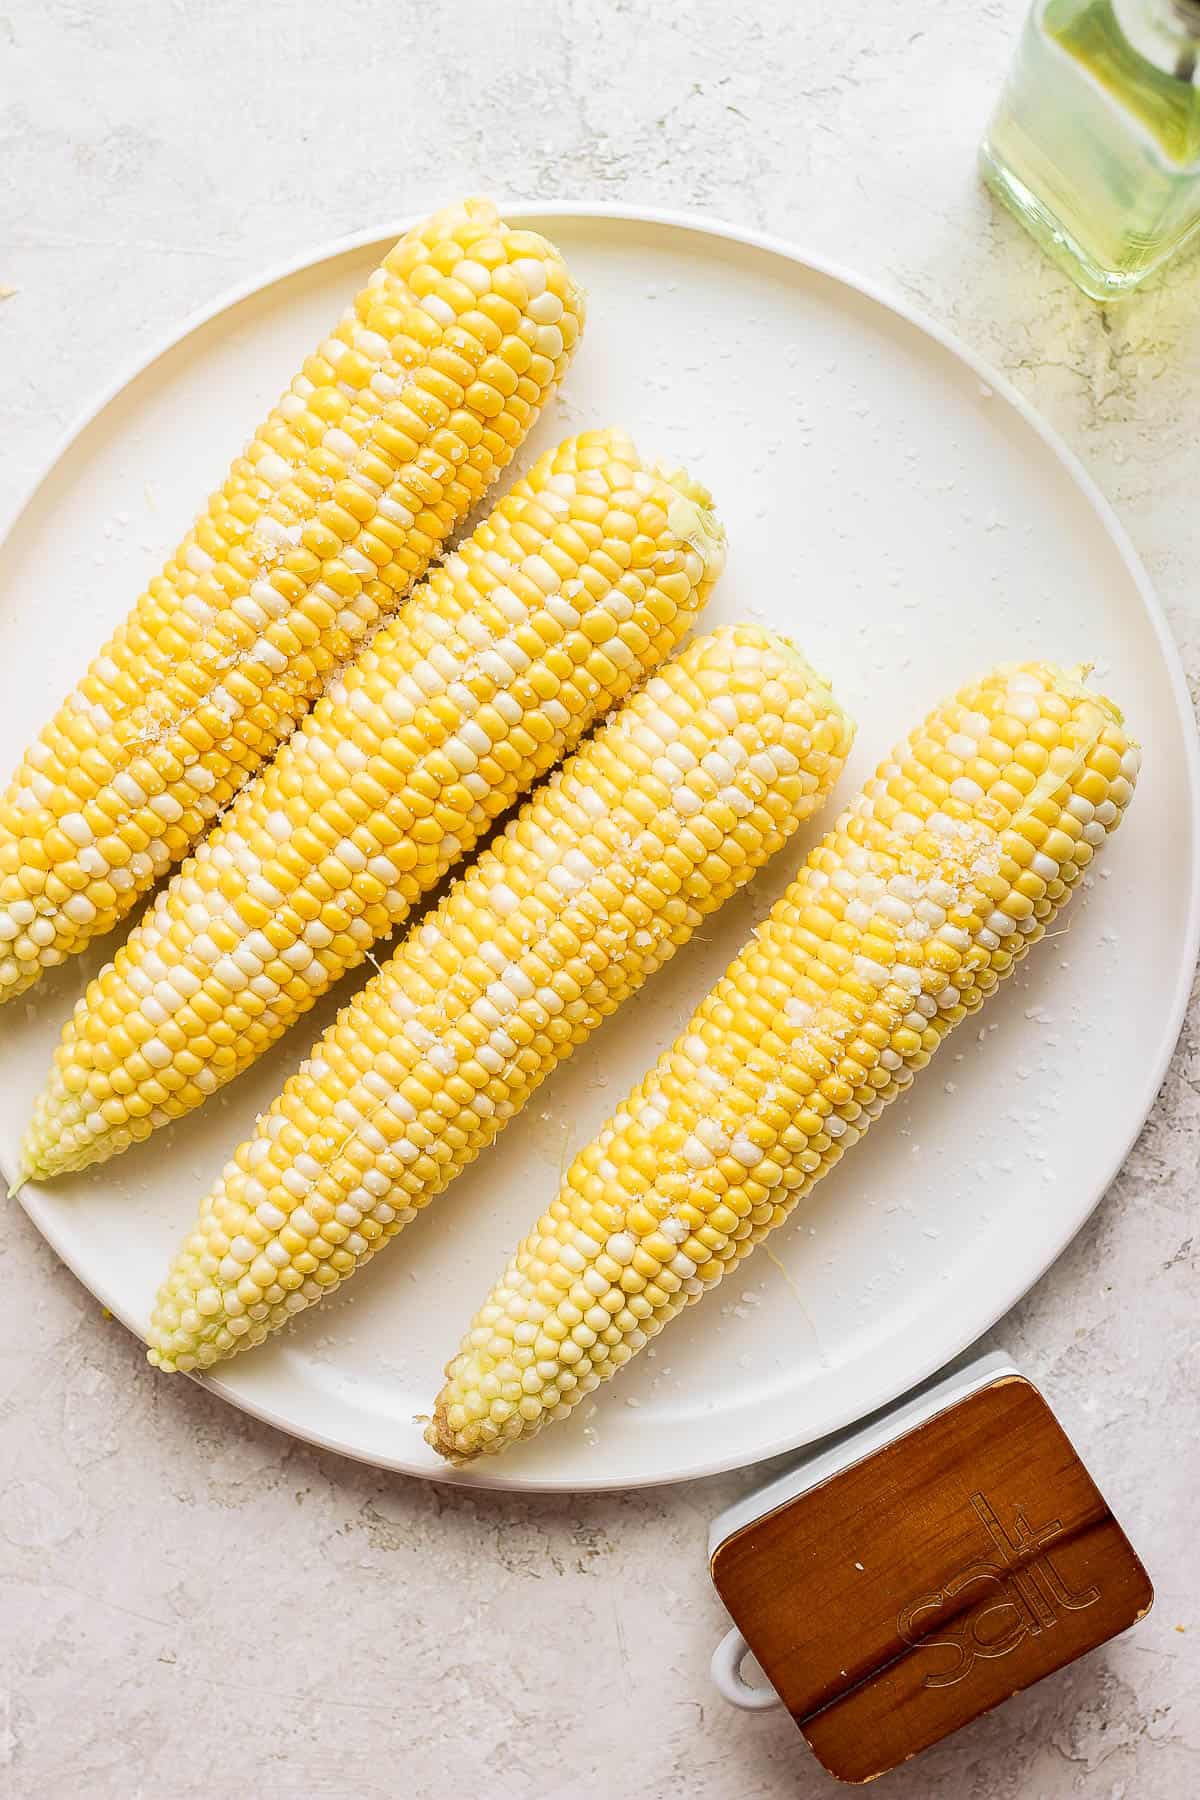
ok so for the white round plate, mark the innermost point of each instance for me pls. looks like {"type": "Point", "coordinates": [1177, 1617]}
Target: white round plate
{"type": "Point", "coordinates": [900, 512]}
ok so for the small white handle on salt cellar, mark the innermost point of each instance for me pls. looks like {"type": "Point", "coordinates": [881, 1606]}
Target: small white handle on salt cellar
{"type": "Point", "coordinates": [730, 1683]}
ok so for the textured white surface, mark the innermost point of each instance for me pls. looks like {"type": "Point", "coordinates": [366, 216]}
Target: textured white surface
{"type": "Point", "coordinates": [190, 1599]}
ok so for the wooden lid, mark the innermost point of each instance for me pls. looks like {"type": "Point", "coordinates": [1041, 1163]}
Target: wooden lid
{"type": "Point", "coordinates": [936, 1577]}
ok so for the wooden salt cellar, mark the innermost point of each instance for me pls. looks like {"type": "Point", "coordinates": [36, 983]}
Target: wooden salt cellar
{"type": "Point", "coordinates": [929, 1566]}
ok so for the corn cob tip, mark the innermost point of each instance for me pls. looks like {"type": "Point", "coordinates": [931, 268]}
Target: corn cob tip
{"type": "Point", "coordinates": [1077, 679]}
{"type": "Point", "coordinates": [786, 646]}
{"type": "Point", "coordinates": [439, 1434]}
{"type": "Point", "coordinates": [36, 1160]}
{"type": "Point", "coordinates": [29, 1167]}
{"type": "Point", "coordinates": [692, 517]}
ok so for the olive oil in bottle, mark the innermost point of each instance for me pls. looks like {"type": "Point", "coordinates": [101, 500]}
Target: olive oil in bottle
{"type": "Point", "coordinates": [1095, 145]}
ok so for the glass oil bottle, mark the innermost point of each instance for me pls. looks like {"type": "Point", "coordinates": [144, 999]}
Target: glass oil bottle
{"type": "Point", "coordinates": [1095, 145]}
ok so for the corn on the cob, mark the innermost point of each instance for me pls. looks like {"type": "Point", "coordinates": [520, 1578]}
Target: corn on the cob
{"type": "Point", "coordinates": [381, 446]}
{"type": "Point", "coordinates": [584, 578]}
{"type": "Point", "coordinates": [928, 891]}
{"type": "Point", "coordinates": [606, 871]}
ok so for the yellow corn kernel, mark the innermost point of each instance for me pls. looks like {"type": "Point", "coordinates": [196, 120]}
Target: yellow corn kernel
{"type": "Point", "coordinates": [290, 839]}
{"type": "Point", "coordinates": [703, 1152]}
{"type": "Point", "coordinates": [467, 1018]}
{"type": "Point", "coordinates": [322, 526]}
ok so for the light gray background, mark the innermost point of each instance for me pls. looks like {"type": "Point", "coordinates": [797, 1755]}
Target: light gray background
{"type": "Point", "coordinates": [193, 1604]}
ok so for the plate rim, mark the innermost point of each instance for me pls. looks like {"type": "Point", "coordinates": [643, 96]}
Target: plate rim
{"type": "Point", "coordinates": [618, 212]}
